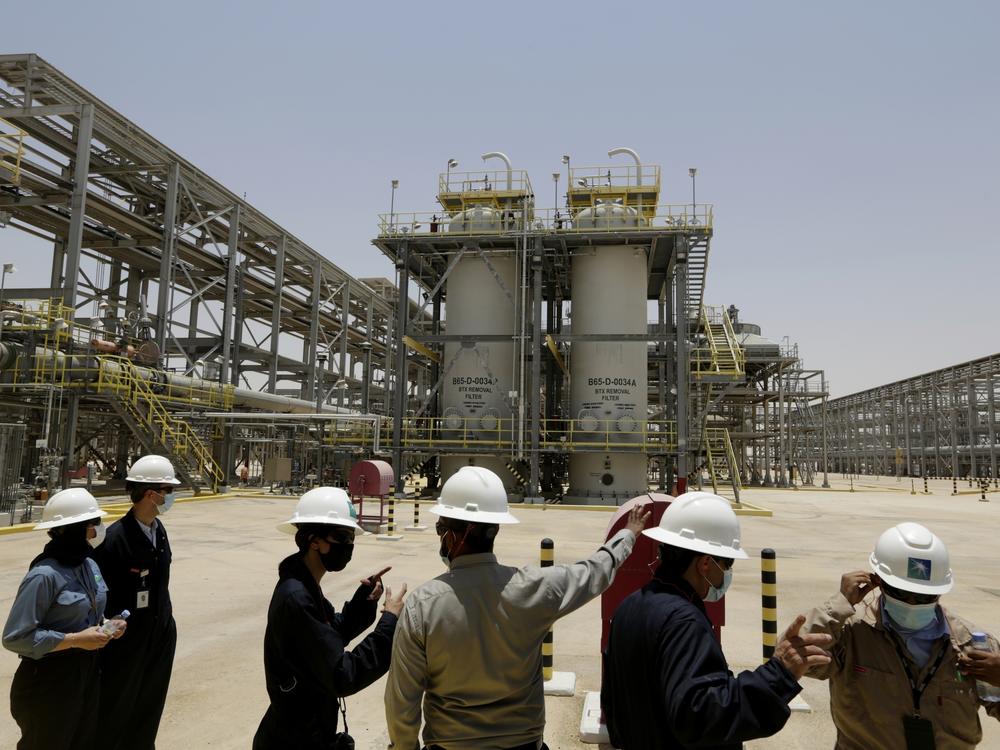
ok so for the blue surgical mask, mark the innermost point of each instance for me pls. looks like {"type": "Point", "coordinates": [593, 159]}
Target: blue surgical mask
{"type": "Point", "coordinates": [717, 592]}
{"type": "Point", "coordinates": [168, 501]}
{"type": "Point", "coordinates": [909, 616]}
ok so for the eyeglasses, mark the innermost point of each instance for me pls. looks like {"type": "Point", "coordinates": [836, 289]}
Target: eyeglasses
{"type": "Point", "coordinates": [909, 597]}
{"type": "Point", "coordinates": [726, 563]}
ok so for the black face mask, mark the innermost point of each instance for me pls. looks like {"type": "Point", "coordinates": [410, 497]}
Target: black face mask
{"type": "Point", "coordinates": [337, 557]}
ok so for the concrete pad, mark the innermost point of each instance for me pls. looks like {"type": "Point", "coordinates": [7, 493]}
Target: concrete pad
{"type": "Point", "coordinates": [414, 528]}
{"type": "Point", "coordinates": [388, 538]}
{"type": "Point", "coordinates": [592, 731]}
{"type": "Point", "coordinates": [226, 554]}
{"type": "Point", "coordinates": [562, 684]}
{"type": "Point", "coordinates": [799, 706]}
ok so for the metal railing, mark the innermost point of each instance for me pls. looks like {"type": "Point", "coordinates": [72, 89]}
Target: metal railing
{"type": "Point", "coordinates": [616, 178]}
{"type": "Point", "coordinates": [543, 221]}
{"type": "Point", "coordinates": [11, 151]}
{"type": "Point", "coordinates": [487, 181]}
{"type": "Point", "coordinates": [721, 353]}
{"type": "Point", "coordinates": [558, 434]}
{"type": "Point", "coordinates": [135, 393]}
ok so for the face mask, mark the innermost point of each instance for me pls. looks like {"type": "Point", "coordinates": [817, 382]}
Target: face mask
{"type": "Point", "coordinates": [336, 558]}
{"type": "Point", "coordinates": [717, 592]}
{"type": "Point", "coordinates": [446, 553]}
{"type": "Point", "coordinates": [909, 616]}
{"type": "Point", "coordinates": [102, 531]}
{"type": "Point", "coordinates": [168, 501]}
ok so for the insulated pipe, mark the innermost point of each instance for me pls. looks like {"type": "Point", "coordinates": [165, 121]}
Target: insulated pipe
{"type": "Point", "coordinates": [241, 396]}
{"type": "Point", "coordinates": [510, 171]}
{"type": "Point", "coordinates": [638, 164]}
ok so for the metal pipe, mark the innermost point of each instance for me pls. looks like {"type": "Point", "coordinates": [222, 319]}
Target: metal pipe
{"type": "Point", "coordinates": [630, 152]}
{"type": "Point", "coordinates": [241, 396]}
{"type": "Point", "coordinates": [502, 157]}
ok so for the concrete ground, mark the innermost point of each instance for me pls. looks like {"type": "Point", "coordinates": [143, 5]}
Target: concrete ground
{"type": "Point", "coordinates": [226, 554]}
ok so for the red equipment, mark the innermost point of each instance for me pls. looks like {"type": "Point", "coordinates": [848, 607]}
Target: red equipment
{"type": "Point", "coordinates": [638, 569]}
{"type": "Point", "coordinates": [372, 479]}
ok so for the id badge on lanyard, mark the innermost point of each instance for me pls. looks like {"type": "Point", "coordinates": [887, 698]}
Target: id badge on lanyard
{"type": "Point", "coordinates": [142, 595]}
{"type": "Point", "coordinates": [918, 731]}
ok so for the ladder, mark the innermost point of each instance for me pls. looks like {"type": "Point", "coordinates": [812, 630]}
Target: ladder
{"type": "Point", "coordinates": [719, 455]}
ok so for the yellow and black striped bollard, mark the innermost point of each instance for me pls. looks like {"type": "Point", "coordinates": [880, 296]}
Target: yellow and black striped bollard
{"type": "Point", "coordinates": [954, 485]}
{"type": "Point", "coordinates": [548, 559]}
{"type": "Point", "coordinates": [926, 492]}
{"type": "Point", "coordinates": [416, 512]}
{"type": "Point", "coordinates": [982, 490]}
{"type": "Point", "coordinates": [769, 601]}
{"type": "Point", "coordinates": [391, 528]}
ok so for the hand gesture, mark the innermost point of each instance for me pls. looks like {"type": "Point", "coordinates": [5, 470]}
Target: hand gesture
{"type": "Point", "coordinates": [800, 653]}
{"type": "Point", "coordinates": [394, 604]}
{"type": "Point", "coordinates": [983, 665]}
{"type": "Point", "coordinates": [856, 585]}
{"type": "Point", "coordinates": [90, 639]}
{"type": "Point", "coordinates": [374, 582]}
{"type": "Point", "coordinates": [637, 519]}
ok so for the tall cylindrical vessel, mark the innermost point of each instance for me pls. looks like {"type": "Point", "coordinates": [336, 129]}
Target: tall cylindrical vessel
{"type": "Point", "coordinates": [608, 378]}
{"type": "Point", "coordinates": [475, 394]}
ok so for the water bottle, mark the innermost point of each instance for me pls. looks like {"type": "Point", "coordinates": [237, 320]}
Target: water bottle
{"type": "Point", "coordinates": [987, 692]}
{"type": "Point", "coordinates": [116, 623]}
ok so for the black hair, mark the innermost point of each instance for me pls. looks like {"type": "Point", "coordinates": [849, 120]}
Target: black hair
{"type": "Point", "coordinates": [674, 561]}
{"type": "Point", "coordinates": [480, 536]}
{"type": "Point", "coordinates": [137, 490]}
{"type": "Point", "coordinates": [306, 532]}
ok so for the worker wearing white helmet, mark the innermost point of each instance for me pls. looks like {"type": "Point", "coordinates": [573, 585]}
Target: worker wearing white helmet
{"type": "Point", "coordinates": [54, 627]}
{"type": "Point", "coordinates": [307, 667]}
{"type": "Point", "coordinates": [666, 680]}
{"type": "Point", "coordinates": [135, 559]}
{"type": "Point", "coordinates": [467, 653]}
{"type": "Point", "coordinates": [895, 677]}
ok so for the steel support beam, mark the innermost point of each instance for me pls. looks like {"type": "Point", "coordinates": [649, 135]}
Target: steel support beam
{"type": "Point", "coordinates": [227, 314]}
{"type": "Point", "coordinates": [78, 203]}
{"type": "Point", "coordinates": [279, 285]}
{"type": "Point", "coordinates": [167, 258]}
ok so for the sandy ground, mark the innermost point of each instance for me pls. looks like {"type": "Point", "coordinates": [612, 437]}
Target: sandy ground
{"type": "Point", "coordinates": [226, 554]}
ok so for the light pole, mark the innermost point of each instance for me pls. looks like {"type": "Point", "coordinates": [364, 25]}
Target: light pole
{"type": "Point", "coordinates": [7, 268]}
{"type": "Point", "coordinates": [392, 207]}
{"type": "Point", "coordinates": [565, 160]}
{"type": "Point", "coordinates": [555, 180]}
{"type": "Point", "coordinates": [692, 171]}
{"type": "Point", "coordinates": [452, 163]}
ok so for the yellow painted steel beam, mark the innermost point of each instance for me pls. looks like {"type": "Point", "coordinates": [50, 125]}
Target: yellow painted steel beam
{"type": "Point", "coordinates": [418, 347]}
{"type": "Point", "coordinates": [551, 343]}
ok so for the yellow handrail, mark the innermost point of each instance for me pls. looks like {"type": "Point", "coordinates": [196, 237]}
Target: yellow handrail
{"type": "Point", "coordinates": [11, 150]}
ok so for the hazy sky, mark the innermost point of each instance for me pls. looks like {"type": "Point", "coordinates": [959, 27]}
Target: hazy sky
{"type": "Point", "coordinates": [851, 150]}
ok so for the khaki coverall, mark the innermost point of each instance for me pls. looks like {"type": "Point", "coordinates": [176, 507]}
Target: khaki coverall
{"type": "Point", "coordinates": [870, 692]}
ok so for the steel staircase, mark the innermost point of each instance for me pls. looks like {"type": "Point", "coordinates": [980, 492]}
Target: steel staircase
{"type": "Point", "coordinates": [721, 463]}
{"type": "Point", "coordinates": [140, 407]}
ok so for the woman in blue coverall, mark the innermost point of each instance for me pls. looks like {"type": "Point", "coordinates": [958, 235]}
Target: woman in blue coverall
{"type": "Point", "coordinates": [54, 627]}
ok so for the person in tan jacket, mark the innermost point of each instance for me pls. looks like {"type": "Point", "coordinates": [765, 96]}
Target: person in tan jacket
{"type": "Point", "coordinates": [895, 678]}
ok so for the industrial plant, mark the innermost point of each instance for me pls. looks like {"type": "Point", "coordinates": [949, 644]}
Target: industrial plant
{"type": "Point", "coordinates": [553, 328]}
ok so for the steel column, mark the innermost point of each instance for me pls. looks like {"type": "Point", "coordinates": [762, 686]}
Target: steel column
{"type": "Point", "coordinates": [78, 203]}
{"type": "Point", "coordinates": [167, 258]}
{"type": "Point", "coordinates": [227, 313]}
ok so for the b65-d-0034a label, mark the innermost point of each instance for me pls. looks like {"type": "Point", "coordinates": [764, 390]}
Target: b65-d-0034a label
{"type": "Point", "coordinates": [468, 380]}
{"type": "Point", "coordinates": [612, 381]}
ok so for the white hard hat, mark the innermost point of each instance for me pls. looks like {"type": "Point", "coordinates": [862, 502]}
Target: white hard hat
{"type": "Point", "coordinates": [701, 522]}
{"type": "Point", "coordinates": [909, 557]}
{"type": "Point", "coordinates": [474, 494]}
{"type": "Point", "coordinates": [152, 469]}
{"type": "Point", "coordinates": [329, 505]}
{"type": "Point", "coordinates": [69, 506]}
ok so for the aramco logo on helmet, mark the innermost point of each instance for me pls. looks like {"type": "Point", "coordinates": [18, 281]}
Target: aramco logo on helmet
{"type": "Point", "coordinates": [918, 570]}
